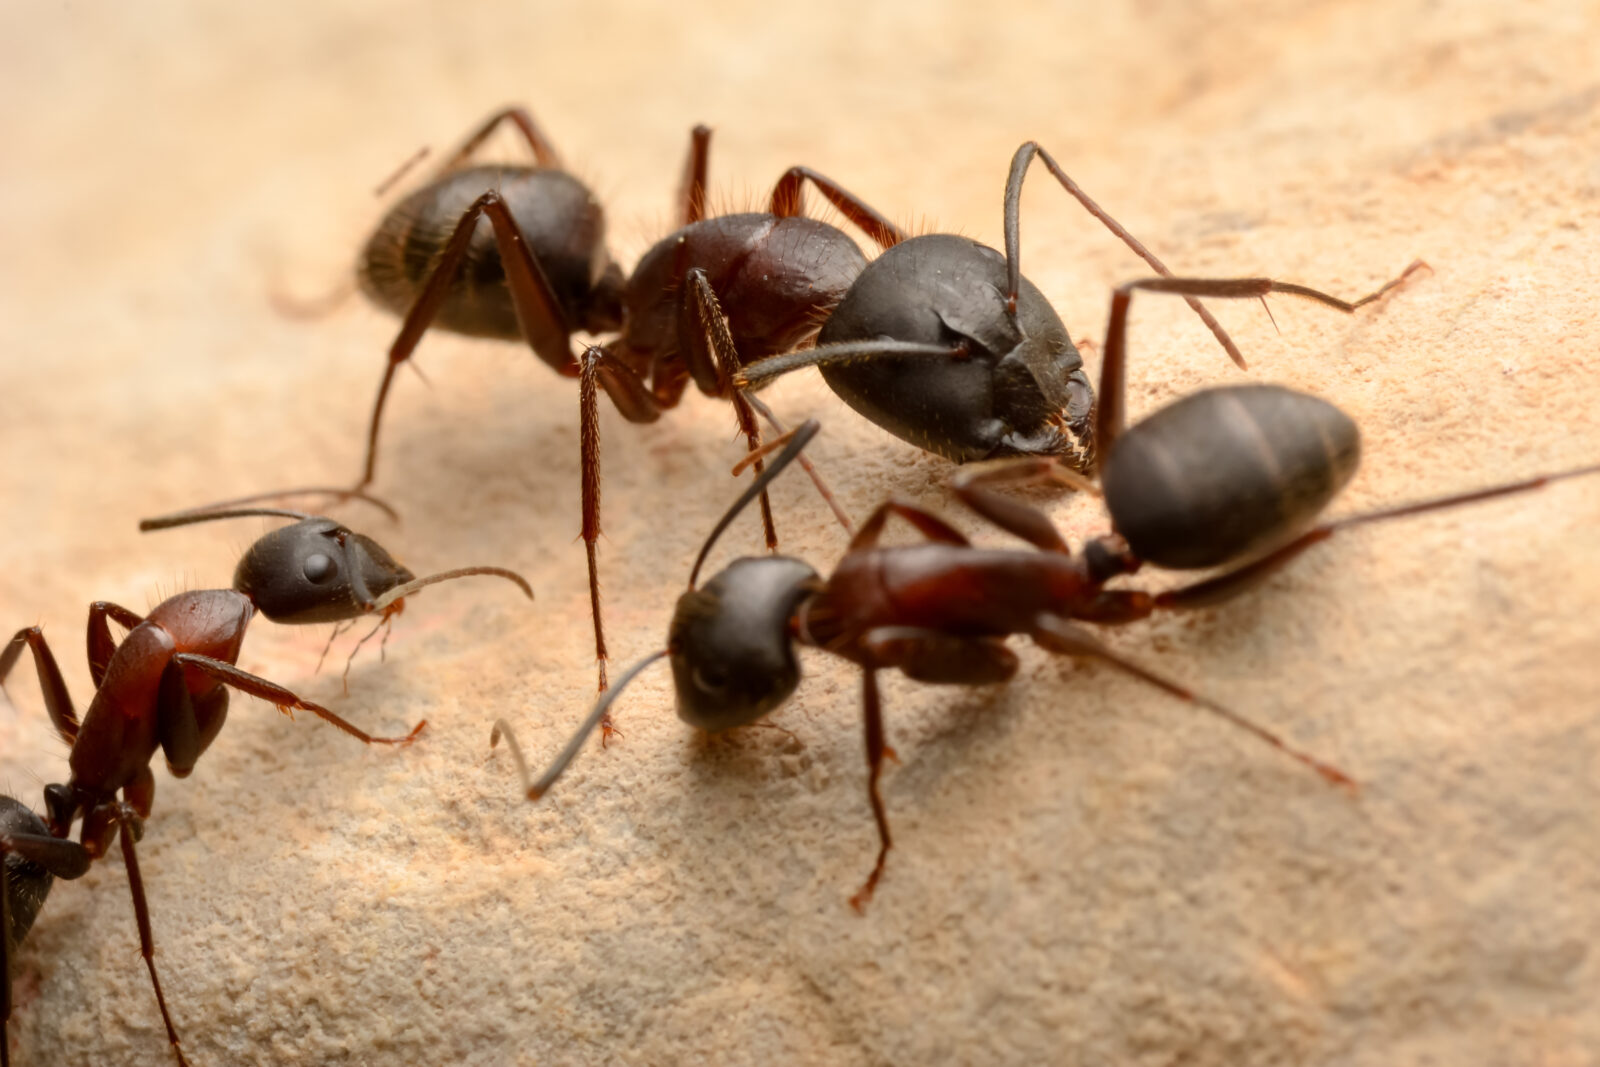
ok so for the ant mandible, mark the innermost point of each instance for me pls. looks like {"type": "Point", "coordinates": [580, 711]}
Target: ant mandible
{"type": "Point", "coordinates": [1229, 477]}
{"type": "Point", "coordinates": [166, 687]}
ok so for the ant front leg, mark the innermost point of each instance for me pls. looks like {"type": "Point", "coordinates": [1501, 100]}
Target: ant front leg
{"type": "Point", "coordinates": [927, 523]}
{"type": "Point", "coordinates": [629, 395]}
{"type": "Point", "coordinates": [57, 700]}
{"type": "Point", "coordinates": [277, 695]}
{"type": "Point", "coordinates": [101, 646]}
{"type": "Point", "coordinates": [544, 324]}
{"type": "Point", "coordinates": [708, 348]}
{"type": "Point", "coordinates": [1110, 413]}
{"type": "Point", "coordinates": [788, 202]}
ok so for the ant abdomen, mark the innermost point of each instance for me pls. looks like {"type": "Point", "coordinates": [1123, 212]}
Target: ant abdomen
{"type": "Point", "coordinates": [1009, 387]}
{"type": "Point", "coordinates": [1227, 473]}
{"type": "Point", "coordinates": [562, 222]}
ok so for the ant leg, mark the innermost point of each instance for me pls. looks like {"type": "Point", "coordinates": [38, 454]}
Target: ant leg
{"type": "Point", "coordinates": [872, 717]}
{"type": "Point", "coordinates": [1232, 583]}
{"type": "Point", "coordinates": [1057, 635]}
{"type": "Point", "coordinates": [1109, 411]}
{"type": "Point", "coordinates": [928, 524]}
{"type": "Point", "coordinates": [787, 202]}
{"type": "Point", "coordinates": [927, 656]}
{"type": "Point", "coordinates": [141, 913]}
{"type": "Point", "coordinates": [1019, 168]}
{"type": "Point", "coordinates": [939, 658]}
{"type": "Point", "coordinates": [692, 193]}
{"type": "Point", "coordinates": [543, 150]}
{"type": "Point", "coordinates": [972, 486]}
{"type": "Point", "coordinates": [805, 465]}
{"type": "Point", "coordinates": [544, 324]}
{"type": "Point", "coordinates": [283, 699]}
{"type": "Point", "coordinates": [635, 402]}
{"type": "Point", "coordinates": [57, 700]}
{"type": "Point", "coordinates": [713, 359]}
{"type": "Point", "coordinates": [101, 646]}
{"type": "Point", "coordinates": [185, 726]}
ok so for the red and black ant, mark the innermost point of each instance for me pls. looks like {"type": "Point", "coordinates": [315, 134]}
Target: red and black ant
{"type": "Point", "coordinates": [166, 687]}
{"type": "Point", "coordinates": [1229, 477]}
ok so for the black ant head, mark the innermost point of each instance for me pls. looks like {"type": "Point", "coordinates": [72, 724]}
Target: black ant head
{"type": "Point", "coordinates": [319, 570]}
{"type": "Point", "coordinates": [26, 883]}
{"type": "Point", "coordinates": [316, 570]}
{"type": "Point", "coordinates": [732, 653]}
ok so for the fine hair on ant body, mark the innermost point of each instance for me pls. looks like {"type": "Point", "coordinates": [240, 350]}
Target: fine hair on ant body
{"type": "Point", "coordinates": [166, 687]}
{"type": "Point", "coordinates": [1232, 477]}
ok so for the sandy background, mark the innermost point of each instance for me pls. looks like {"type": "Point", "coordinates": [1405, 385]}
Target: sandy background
{"type": "Point", "coordinates": [1085, 872]}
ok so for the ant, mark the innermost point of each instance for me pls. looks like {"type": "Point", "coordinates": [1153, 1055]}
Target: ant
{"type": "Point", "coordinates": [166, 686]}
{"type": "Point", "coordinates": [1230, 477]}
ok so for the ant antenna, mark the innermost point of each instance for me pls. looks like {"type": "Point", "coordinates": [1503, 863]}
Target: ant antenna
{"type": "Point", "coordinates": [230, 509]}
{"type": "Point", "coordinates": [535, 790]}
{"type": "Point", "coordinates": [399, 592]}
{"type": "Point", "coordinates": [798, 438]}
{"type": "Point", "coordinates": [185, 518]}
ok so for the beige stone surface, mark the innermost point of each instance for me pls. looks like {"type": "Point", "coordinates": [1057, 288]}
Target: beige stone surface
{"type": "Point", "coordinates": [1085, 871]}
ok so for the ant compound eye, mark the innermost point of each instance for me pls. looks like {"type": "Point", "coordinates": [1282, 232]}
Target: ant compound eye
{"type": "Point", "coordinates": [710, 679]}
{"type": "Point", "coordinates": [318, 568]}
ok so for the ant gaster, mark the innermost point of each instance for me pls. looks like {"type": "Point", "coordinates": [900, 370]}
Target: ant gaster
{"type": "Point", "coordinates": [166, 687]}
{"type": "Point", "coordinates": [1230, 477]}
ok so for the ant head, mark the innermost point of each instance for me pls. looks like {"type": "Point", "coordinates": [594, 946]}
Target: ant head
{"type": "Point", "coordinates": [732, 653]}
{"type": "Point", "coordinates": [316, 570]}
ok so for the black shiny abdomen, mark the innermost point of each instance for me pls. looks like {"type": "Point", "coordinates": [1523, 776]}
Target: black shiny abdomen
{"type": "Point", "coordinates": [1227, 474]}
{"type": "Point", "coordinates": [559, 218]}
{"type": "Point", "coordinates": [1020, 390]}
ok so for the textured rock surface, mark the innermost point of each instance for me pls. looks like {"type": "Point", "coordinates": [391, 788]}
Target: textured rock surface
{"type": "Point", "coordinates": [1085, 871]}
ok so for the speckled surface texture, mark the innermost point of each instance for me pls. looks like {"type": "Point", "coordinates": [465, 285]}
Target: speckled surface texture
{"type": "Point", "coordinates": [1085, 871]}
